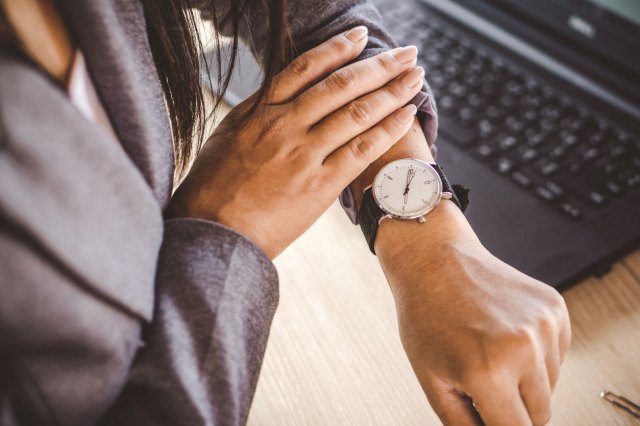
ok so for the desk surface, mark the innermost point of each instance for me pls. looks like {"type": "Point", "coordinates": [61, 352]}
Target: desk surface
{"type": "Point", "coordinates": [334, 356]}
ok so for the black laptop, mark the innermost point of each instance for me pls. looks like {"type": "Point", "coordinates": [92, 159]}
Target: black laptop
{"type": "Point", "coordinates": [539, 105]}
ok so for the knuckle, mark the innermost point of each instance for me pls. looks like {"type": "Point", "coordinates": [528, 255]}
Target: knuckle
{"type": "Point", "coordinates": [360, 112]}
{"type": "Point", "coordinates": [492, 376]}
{"type": "Point", "coordinates": [525, 337]}
{"type": "Point", "coordinates": [388, 129]}
{"type": "Point", "coordinates": [397, 90]}
{"type": "Point", "coordinates": [339, 45]}
{"type": "Point", "coordinates": [384, 62]}
{"type": "Point", "coordinates": [302, 66]}
{"type": "Point", "coordinates": [313, 184]}
{"type": "Point", "coordinates": [275, 124]}
{"type": "Point", "coordinates": [362, 147]}
{"type": "Point", "coordinates": [558, 305]}
{"type": "Point", "coordinates": [341, 80]}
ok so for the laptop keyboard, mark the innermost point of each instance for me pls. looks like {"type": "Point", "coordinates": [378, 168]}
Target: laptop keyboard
{"type": "Point", "coordinates": [540, 140]}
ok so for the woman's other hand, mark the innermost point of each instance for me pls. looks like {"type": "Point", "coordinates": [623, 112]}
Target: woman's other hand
{"type": "Point", "coordinates": [485, 340]}
{"type": "Point", "coordinates": [321, 124]}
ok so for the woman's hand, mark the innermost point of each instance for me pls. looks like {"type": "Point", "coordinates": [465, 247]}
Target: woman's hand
{"type": "Point", "coordinates": [485, 341]}
{"type": "Point", "coordinates": [319, 127]}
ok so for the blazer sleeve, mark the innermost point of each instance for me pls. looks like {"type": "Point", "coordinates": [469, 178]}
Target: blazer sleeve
{"type": "Point", "coordinates": [216, 296]}
{"type": "Point", "coordinates": [196, 363]}
{"type": "Point", "coordinates": [310, 24]}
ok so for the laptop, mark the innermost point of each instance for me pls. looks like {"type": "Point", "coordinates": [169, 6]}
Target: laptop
{"type": "Point", "coordinates": [539, 106]}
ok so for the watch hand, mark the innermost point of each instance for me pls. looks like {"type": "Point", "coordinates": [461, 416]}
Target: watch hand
{"type": "Point", "coordinates": [406, 196]}
{"type": "Point", "coordinates": [411, 176]}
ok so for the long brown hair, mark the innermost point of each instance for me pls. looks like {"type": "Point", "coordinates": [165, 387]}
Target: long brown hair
{"type": "Point", "coordinates": [176, 46]}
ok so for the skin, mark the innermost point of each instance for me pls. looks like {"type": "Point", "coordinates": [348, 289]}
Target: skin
{"type": "Point", "coordinates": [317, 130]}
{"type": "Point", "coordinates": [485, 341]}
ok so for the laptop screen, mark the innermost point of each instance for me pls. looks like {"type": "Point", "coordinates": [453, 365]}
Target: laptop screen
{"type": "Point", "coordinates": [609, 29]}
{"type": "Point", "coordinates": [626, 9]}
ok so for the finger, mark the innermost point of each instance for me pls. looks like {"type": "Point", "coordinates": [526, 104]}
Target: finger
{"type": "Point", "coordinates": [452, 407]}
{"type": "Point", "coordinates": [565, 334]}
{"type": "Point", "coordinates": [364, 113]}
{"type": "Point", "coordinates": [536, 395]}
{"type": "Point", "coordinates": [552, 362]}
{"type": "Point", "coordinates": [348, 161]}
{"type": "Point", "coordinates": [501, 405]}
{"type": "Point", "coordinates": [559, 345]}
{"type": "Point", "coordinates": [351, 82]}
{"type": "Point", "coordinates": [315, 64]}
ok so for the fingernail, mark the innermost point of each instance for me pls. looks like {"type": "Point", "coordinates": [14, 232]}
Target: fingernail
{"type": "Point", "coordinates": [356, 34]}
{"type": "Point", "coordinates": [405, 54]}
{"type": "Point", "coordinates": [413, 77]}
{"type": "Point", "coordinates": [406, 113]}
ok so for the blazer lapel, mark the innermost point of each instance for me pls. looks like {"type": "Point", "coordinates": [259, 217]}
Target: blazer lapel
{"type": "Point", "coordinates": [74, 191]}
{"type": "Point", "coordinates": [112, 37]}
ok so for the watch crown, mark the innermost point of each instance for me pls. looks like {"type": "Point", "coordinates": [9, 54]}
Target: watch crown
{"type": "Point", "coordinates": [421, 219]}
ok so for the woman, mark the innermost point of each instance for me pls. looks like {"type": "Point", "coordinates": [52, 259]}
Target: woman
{"type": "Point", "coordinates": [112, 314]}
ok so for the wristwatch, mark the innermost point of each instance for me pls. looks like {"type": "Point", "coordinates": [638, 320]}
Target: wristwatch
{"type": "Point", "coordinates": [406, 189]}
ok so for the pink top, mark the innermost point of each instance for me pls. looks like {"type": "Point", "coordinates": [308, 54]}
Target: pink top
{"type": "Point", "coordinates": [83, 95]}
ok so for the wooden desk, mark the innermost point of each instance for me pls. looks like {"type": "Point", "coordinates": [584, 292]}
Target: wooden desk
{"type": "Point", "coordinates": [334, 356]}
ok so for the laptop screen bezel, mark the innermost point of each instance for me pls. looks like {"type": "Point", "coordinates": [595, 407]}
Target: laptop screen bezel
{"type": "Point", "coordinates": [618, 72]}
{"type": "Point", "coordinates": [589, 25]}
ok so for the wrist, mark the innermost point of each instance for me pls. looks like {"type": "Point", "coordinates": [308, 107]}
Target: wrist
{"type": "Point", "coordinates": [445, 227]}
{"type": "Point", "coordinates": [412, 145]}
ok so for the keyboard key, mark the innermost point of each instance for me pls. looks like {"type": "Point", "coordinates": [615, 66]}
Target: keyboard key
{"type": "Point", "coordinates": [590, 154]}
{"type": "Point", "coordinates": [515, 125]}
{"type": "Point", "coordinates": [536, 139]}
{"type": "Point", "coordinates": [571, 210]}
{"type": "Point", "coordinates": [558, 152]}
{"type": "Point", "coordinates": [632, 180]}
{"type": "Point", "coordinates": [568, 140]}
{"type": "Point", "coordinates": [614, 188]}
{"type": "Point", "coordinates": [549, 169]}
{"type": "Point", "coordinates": [597, 198]}
{"type": "Point", "coordinates": [446, 105]}
{"type": "Point", "coordinates": [555, 188]}
{"type": "Point", "coordinates": [485, 151]}
{"type": "Point", "coordinates": [507, 142]}
{"type": "Point", "coordinates": [530, 116]}
{"type": "Point", "coordinates": [466, 116]}
{"type": "Point", "coordinates": [457, 90]}
{"type": "Point", "coordinates": [522, 179]}
{"type": "Point", "coordinates": [504, 165]}
{"type": "Point", "coordinates": [486, 129]}
{"type": "Point", "coordinates": [528, 155]}
{"type": "Point", "coordinates": [618, 151]}
{"type": "Point", "coordinates": [475, 101]}
{"type": "Point", "coordinates": [545, 194]}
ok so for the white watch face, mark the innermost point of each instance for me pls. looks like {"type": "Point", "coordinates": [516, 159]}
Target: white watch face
{"type": "Point", "coordinates": [407, 188]}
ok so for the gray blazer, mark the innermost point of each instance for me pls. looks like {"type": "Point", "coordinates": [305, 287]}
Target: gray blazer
{"type": "Point", "coordinates": [108, 314]}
